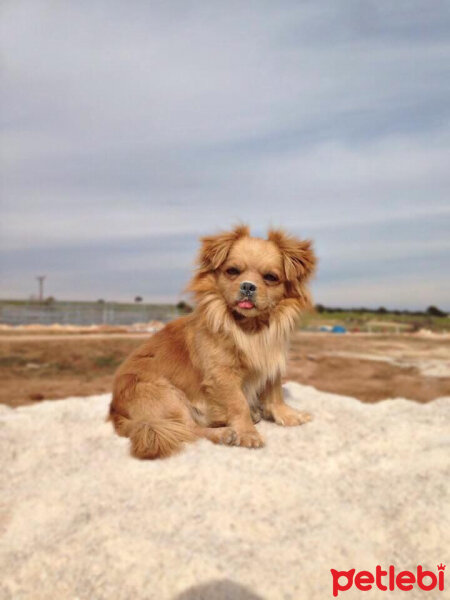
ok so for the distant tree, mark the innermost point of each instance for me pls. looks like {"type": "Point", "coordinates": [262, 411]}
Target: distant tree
{"type": "Point", "coordinates": [382, 310]}
{"type": "Point", "coordinates": [434, 311]}
{"type": "Point", "coordinates": [138, 299]}
{"type": "Point", "coordinates": [184, 307]}
{"type": "Point", "coordinates": [100, 301]}
{"type": "Point", "coordinates": [320, 308]}
{"type": "Point", "coordinates": [49, 300]}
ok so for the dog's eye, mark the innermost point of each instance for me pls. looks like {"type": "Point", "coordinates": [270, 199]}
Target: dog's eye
{"type": "Point", "coordinates": [270, 277]}
{"type": "Point", "coordinates": [233, 271]}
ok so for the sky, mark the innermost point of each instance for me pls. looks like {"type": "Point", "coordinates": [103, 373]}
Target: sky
{"type": "Point", "coordinates": [129, 129]}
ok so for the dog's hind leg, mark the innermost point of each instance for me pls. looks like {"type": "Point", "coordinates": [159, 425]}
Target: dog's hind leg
{"type": "Point", "coordinates": [156, 417]}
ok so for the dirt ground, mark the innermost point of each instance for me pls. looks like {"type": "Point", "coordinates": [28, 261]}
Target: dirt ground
{"type": "Point", "coordinates": [368, 367]}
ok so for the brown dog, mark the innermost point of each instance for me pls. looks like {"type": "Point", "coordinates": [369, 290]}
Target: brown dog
{"type": "Point", "coordinates": [214, 372]}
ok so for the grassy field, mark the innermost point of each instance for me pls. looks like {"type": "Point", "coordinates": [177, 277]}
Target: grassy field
{"type": "Point", "coordinates": [377, 322]}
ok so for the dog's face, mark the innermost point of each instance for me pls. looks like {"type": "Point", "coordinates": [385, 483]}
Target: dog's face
{"type": "Point", "coordinates": [251, 280]}
{"type": "Point", "coordinates": [253, 275]}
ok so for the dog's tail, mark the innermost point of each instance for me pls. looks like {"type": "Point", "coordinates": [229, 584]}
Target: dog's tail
{"type": "Point", "coordinates": [153, 437]}
{"type": "Point", "coordinates": [159, 438]}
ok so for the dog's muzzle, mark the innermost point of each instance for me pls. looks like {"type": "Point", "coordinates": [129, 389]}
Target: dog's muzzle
{"type": "Point", "coordinates": [248, 289]}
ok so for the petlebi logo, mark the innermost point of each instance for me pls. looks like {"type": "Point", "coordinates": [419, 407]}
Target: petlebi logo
{"type": "Point", "coordinates": [388, 580]}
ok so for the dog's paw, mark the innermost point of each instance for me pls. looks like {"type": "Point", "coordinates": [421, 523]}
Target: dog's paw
{"type": "Point", "coordinates": [289, 417]}
{"type": "Point", "coordinates": [227, 436]}
{"type": "Point", "coordinates": [249, 439]}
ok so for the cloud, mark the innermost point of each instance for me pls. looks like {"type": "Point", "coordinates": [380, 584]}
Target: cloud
{"type": "Point", "coordinates": [130, 126]}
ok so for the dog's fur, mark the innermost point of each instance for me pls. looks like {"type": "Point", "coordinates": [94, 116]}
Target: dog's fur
{"type": "Point", "coordinates": [216, 371]}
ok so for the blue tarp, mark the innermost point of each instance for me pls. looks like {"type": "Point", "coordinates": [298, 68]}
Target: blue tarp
{"type": "Point", "coordinates": [339, 329]}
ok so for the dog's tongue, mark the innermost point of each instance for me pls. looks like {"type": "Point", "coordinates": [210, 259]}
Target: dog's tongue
{"type": "Point", "coordinates": [245, 304]}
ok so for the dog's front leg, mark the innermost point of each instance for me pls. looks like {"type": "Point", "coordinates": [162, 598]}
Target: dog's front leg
{"type": "Point", "coordinates": [275, 409]}
{"type": "Point", "coordinates": [228, 403]}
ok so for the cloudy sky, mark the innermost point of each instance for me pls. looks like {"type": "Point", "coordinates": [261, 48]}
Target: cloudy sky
{"type": "Point", "coordinates": [131, 128]}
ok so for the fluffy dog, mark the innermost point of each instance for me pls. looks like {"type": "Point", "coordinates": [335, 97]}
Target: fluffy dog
{"type": "Point", "coordinates": [216, 371]}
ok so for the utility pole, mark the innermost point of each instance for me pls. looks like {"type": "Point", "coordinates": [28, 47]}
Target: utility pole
{"type": "Point", "coordinates": [40, 279]}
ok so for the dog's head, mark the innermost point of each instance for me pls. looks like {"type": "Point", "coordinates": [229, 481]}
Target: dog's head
{"type": "Point", "coordinates": [253, 275]}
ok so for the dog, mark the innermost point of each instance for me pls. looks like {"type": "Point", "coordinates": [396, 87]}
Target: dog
{"type": "Point", "coordinates": [216, 371]}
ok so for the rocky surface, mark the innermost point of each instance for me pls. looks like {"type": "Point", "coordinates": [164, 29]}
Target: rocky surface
{"type": "Point", "coordinates": [361, 485]}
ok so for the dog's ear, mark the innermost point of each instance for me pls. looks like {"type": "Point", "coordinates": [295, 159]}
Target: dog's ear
{"type": "Point", "coordinates": [299, 260]}
{"type": "Point", "coordinates": [215, 248]}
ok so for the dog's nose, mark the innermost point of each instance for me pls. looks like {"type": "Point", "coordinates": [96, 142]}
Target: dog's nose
{"type": "Point", "coordinates": [248, 288]}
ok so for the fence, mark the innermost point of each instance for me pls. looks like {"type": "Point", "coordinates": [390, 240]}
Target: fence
{"type": "Point", "coordinates": [83, 314]}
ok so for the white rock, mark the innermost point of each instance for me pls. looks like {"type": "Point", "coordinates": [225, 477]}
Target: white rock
{"type": "Point", "coordinates": [361, 485]}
